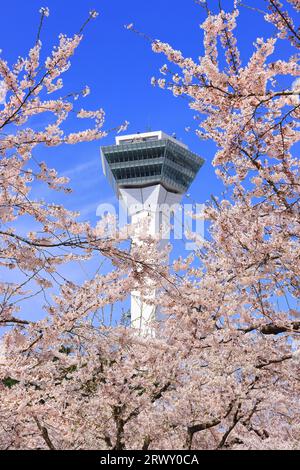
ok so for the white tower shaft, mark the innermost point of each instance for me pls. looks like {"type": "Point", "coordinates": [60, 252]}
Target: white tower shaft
{"type": "Point", "coordinates": [150, 209]}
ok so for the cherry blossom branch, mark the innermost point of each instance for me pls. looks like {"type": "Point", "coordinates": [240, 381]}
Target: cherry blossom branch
{"type": "Point", "coordinates": [44, 433]}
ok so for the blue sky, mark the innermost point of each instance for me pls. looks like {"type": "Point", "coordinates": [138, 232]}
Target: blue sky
{"type": "Point", "coordinates": [118, 66]}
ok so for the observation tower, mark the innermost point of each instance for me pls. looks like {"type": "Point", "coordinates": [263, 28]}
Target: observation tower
{"type": "Point", "coordinates": [149, 173]}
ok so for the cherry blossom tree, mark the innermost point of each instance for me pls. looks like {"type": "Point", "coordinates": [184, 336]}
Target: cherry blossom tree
{"type": "Point", "coordinates": [222, 372]}
{"type": "Point", "coordinates": [247, 289]}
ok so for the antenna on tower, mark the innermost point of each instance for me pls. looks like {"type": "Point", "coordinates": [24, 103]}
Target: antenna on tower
{"type": "Point", "coordinates": [148, 126]}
